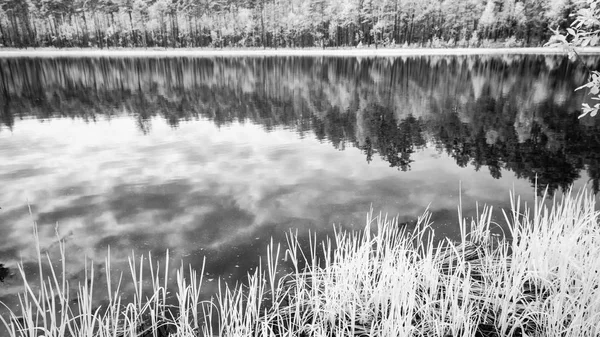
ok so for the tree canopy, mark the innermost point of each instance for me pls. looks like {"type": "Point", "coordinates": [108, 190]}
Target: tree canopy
{"type": "Point", "coordinates": [280, 23]}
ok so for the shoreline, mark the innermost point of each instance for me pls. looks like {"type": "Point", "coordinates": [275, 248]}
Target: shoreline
{"type": "Point", "coordinates": [395, 282]}
{"type": "Point", "coordinates": [338, 52]}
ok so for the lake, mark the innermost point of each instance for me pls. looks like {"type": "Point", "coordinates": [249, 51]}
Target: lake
{"type": "Point", "coordinates": [215, 156]}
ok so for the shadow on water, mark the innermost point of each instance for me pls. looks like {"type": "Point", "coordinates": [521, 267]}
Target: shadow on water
{"type": "Point", "coordinates": [509, 113]}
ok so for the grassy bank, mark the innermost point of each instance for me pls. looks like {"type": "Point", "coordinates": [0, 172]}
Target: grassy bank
{"type": "Point", "coordinates": [540, 280]}
{"type": "Point", "coordinates": [206, 52]}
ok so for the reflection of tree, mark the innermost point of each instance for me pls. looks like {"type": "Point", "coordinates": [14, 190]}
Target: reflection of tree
{"type": "Point", "coordinates": [555, 153]}
{"type": "Point", "coordinates": [4, 272]}
{"type": "Point", "coordinates": [6, 117]}
{"type": "Point", "coordinates": [337, 127]}
{"type": "Point", "coordinates": [394, 141]}
{"type": "Point", "coordinates": [511, 113]}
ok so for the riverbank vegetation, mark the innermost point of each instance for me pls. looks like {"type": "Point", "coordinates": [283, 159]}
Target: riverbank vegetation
{"type": "Point", "coordinates": [540, 278]}
{"type": "Point", "coordinates": [280, 23]}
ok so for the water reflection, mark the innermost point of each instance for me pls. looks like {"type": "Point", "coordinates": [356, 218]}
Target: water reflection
{"type": "Point", "coordinates": [4, 272]}
{"type": "Point", "coordinates": [515, 113]}
{"type": "Point", "coordinates": [212, 157]}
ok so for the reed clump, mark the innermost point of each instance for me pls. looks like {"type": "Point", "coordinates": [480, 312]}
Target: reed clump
{"type": "Point", "coordinates": [540, 279]}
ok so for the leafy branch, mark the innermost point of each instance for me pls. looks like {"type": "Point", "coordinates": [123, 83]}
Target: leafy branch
{"type": "Point", "coordinates": [583, 32]}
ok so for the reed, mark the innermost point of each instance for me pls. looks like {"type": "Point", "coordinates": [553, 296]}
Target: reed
{"type": "Point", "coordinates": [540, 279]}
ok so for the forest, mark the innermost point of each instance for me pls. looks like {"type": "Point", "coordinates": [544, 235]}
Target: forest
{"type": "Point", "coordinates": [281, 23]}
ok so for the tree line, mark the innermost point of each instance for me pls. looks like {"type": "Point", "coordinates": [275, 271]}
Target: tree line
{"type": "Point", "coordinates": [280, 23]}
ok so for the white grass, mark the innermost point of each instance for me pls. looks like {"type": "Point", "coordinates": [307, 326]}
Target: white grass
{"type": "Point", "coordinates": [352, 52]}
{"type": "Point", "coordinates": [383, 281]}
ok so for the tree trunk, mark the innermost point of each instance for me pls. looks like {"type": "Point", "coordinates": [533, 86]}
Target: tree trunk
{"type": "Point", "coordinates": [163, 29]}
{"type": "Point", "coordinates": [189, 34]}
{"type": "Point", "coordinates": [30, 35]}
{"type": "Point", "coordinates": [73, 21]}
{"type": "Point", "coordinates": [98, 32]}
{"type": "Point", "coordinates": [145, 38]}
{"type": "Point", "coordinates": [4, 43]}
{"type": "Point", "coordinates": [196, 33]}
{"type": "Point", "coordinates": [410, 30]}
{"type": "Point", "coordinates": [175, 29]}
{"type": "Point", "coordinates": [131, 36]}
{"type": "Point", "coordinates": [262, 22]}
{"type": "Point", "coordinates": [116, 31]}
{"type": "Point", "coordinates": [395, 35]}
{"type": "Point", "coordinates": [16, 30]}
{"type": "Point", "coordinates": [86, 30]}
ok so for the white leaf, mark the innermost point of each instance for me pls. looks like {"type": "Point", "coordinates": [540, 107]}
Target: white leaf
{"type": "Point", "coordinates": [587, 85]}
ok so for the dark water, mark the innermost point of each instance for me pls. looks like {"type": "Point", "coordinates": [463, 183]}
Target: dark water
{"type": "Point", "coordinates": [213, 156]}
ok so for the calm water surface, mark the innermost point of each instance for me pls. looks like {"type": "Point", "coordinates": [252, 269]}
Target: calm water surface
{"type": "Point", "coordinates": [214, 156]}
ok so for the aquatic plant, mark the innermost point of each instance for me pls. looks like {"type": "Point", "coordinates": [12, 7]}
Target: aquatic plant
{"type": "Point", "coordinates": [540, 278]}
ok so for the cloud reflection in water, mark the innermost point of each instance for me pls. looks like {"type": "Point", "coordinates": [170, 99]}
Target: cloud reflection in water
{"type": "Point", "coordinates": [202, 190]}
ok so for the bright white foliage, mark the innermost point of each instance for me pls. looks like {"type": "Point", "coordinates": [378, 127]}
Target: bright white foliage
{"type": "Point", "coordinates": [584, 32]}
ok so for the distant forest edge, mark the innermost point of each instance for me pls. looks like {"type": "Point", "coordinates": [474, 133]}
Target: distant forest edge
{"type": "Point", "coordinates": [511, 113]}
{"type": "Point", "coordinates": [281, 23]}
